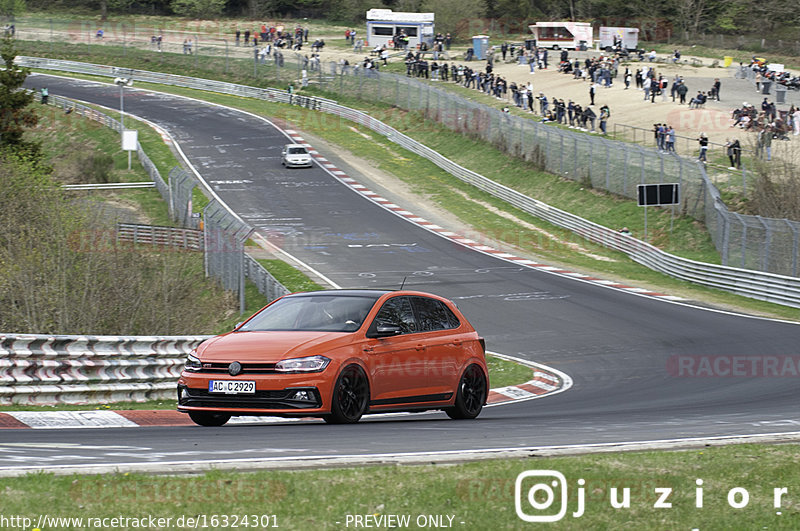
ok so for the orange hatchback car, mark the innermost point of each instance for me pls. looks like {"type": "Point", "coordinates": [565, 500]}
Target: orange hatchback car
{"type": "Point", "coordinates": [339, 355]}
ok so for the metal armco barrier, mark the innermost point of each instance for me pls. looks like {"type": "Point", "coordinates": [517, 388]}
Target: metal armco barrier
{"type": "Point", "coordinates": [43, 369]}
{"type": "Point", "coordinates": [162, 236]}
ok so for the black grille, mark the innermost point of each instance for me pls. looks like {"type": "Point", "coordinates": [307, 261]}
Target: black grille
{"type": "Point", "coordinates": [247, 368]}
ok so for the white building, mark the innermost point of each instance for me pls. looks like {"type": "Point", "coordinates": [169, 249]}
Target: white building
{"type": "Point", "coordinates": [384, 24]}
{"type": "Point", "coordinates": [628, 38]}
{"type": "Point", "coordinates": [569, 35]}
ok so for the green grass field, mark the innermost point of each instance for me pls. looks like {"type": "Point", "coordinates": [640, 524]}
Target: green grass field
{"type": "Point", "coordinates": [477, 495]}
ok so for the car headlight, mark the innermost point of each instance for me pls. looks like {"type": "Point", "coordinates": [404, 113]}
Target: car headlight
{"type": "Point", "coordinates": [309, 364]}
{"type": "Point", "coordinates": [192, 363]}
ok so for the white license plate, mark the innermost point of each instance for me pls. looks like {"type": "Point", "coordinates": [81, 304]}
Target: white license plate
{"type": "Point", "coordinates": [232, 387]}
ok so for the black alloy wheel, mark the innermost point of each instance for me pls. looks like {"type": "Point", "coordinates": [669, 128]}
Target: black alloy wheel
{"type": "Point", "coordinates": [350, 396]}
{"type": "Point", "coordinates": [471, 394]}
{"type": "Point", "coordinates": [205, 418]}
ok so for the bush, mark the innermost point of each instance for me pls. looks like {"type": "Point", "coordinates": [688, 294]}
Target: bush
{"type": "Point", "coordinates": [62, 271]}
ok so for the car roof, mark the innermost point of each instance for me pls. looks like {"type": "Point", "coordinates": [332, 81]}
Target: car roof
{"type": "Point", "coordinates": [376, 293]}
{"type": "Point", "coordinates": [294, 145]}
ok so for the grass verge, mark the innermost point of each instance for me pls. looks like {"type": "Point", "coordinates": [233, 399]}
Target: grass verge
{"type": "Point", "coordinates": [476, 495]}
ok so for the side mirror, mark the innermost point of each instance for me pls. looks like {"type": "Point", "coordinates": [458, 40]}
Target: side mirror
{"type": "Point", "coordinates": [387, 330]}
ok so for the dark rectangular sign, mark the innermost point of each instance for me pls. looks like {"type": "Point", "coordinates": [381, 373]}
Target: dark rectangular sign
{"type": "Point", "coordinates": [658, 194]}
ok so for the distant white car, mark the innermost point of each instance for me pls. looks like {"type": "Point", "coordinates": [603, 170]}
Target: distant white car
{"type": "Point", "coordinates": [295, 156]}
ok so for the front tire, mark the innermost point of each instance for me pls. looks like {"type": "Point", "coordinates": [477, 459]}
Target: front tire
{"type": "Point", "coordinates": [350, 396]}
{"type": "Point", "coordinates": [471, 394]}
{"type": "Point", "coordinates": [205, 418]}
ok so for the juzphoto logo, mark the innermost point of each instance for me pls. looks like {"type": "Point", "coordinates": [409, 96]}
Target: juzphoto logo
{"type": "Point", "coordinates": [541, 496]}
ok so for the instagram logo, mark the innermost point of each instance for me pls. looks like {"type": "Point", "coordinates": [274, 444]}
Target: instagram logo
{"type": "Point", "coordinates": [540, 495]}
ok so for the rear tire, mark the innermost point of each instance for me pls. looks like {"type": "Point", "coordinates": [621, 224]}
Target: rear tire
{"type": "Point", "coordinates": [205, 418]}
{"type": "Point", "coordinates": [471, 394]}
{"type": "Point", "coordinates": [350, 396]}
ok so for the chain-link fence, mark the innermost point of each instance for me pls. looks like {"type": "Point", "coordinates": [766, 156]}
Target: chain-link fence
{"type": "Point", "coordinates": [179, 198]}
{"type": "Point", "coordinates": [223, 235]}
{"type": "Point", "coordinates": [745, 241]}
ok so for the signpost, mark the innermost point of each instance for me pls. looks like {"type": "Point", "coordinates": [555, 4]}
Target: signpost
{"type": "Point", "coordinates": [657, 195]}
{"type": "Point", "coordinates": [130, 139]}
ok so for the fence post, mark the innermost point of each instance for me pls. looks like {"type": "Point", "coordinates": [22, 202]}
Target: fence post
{"type": "Point", "coordinates": [795, 249]}
{"type": "Point", "coordinates": [767, 244]}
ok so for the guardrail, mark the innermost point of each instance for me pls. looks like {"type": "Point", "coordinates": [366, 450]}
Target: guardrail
{"type": "Point", "coordinates": [162, 236]}
{"type": "Point", "coordinates": [750, 283]}
{"type": "Point", "coordinates": [108, 186]}
{"type": "Point", "coordinates": [43, 369]}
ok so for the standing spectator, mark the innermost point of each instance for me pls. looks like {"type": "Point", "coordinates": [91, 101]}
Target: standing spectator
{"type": "Point", "coordinates": [646, 86]}
{"type": "Point", "coordinates": [45, 95]}
{"type": "Point", "coordinates": [592, 90]}
{"type": "Point", "coordinates": [734, 151]}
{"type": "Point", "coordinates": [796, 119]}
{"type": "Point", "coordinates": [703, 141]}
{"type": "Point", "coordinates": [764, 142]}
{"type": "Point", "coordinates": [758, 81]}
{"type": "Point", "coordinates": [571, 113]}
{"type": "Point", "coordinates": [238, 36]}
{"type": "Point", "coordinates": [682, 90]}
{"type": "Point", "coordinates": [504, 50]}
{"type": "Point", "coordinates": [673, 91]}
{"type": "Point", "coordinates": [448, 39]}
{"type": "Point", "coordinates": [716, 88]}
{"type": "Point", "coordinates": [670, 139]}
{"type": "Point", "coordinates": [605, 114]}
{"type": "Point", "coordinates": [627, 78]}
{"type": "Point", "coordinates": [246, 37]}
{"type": "Point", "coordinates": [590, 116]}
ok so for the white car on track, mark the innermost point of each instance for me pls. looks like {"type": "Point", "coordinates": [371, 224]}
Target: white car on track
{"type": "Point", "coordinates": [295, 156]}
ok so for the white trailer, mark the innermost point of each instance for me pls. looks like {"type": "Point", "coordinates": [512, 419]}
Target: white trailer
{"type": "Point", "coordinates": [570, 35]}
{"type": "Point", "coordinates": [384, 24]}
{"type": "Point", "coordinates": [628, 38]}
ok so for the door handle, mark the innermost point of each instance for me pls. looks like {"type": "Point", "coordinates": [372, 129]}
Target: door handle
{"type": "Point", "coordinates": [457, 342]}
{"type": "Point", "coordinates": [420, 347]}
{"type": "Point", "coordinates": [369, 350]}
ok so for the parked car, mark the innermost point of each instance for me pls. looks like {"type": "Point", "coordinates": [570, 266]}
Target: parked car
{"type": "Point", "coordinates": [338, 355]}
{"type": "Point", "coordinates": [295, 156]}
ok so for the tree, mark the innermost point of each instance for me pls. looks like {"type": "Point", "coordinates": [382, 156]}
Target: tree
{"type": "Point", "coordinates": [11, 8]}
{"type": "Point", "coordinates": [205, 9]}
{"type": "Point", "coordinates": [15, 114]}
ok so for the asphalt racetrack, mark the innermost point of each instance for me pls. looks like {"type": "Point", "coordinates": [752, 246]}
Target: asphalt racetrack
{"type": "Point", "coordinates": [631, 357]}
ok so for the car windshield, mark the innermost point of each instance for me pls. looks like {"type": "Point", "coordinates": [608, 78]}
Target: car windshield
{"type": "Point", "coordinates": [328, 313]}
{"type": "Point", "coordinates": [297, 151]}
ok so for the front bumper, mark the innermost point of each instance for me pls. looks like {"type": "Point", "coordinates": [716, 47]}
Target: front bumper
{"type": "Point", "coordinates": [292, 399]}
{"type": "Point", "coordinates": [298, 164]}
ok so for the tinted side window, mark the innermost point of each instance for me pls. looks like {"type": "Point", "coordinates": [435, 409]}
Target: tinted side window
{"type": "Point", "coordinates": [434, 315]}
{"type": "Point", "coordinates": [397, 311]}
